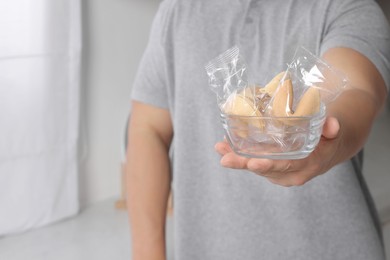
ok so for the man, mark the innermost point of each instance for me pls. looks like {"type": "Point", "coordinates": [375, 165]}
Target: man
{"type": "Point", "coordinates": [226, 212]}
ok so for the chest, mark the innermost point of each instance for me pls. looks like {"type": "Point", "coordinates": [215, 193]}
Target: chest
{"type": "Point", "coordinates": [267, 33]}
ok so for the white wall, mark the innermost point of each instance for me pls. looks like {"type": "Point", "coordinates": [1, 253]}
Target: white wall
{"type": "Point", "coordinates": [115, 34]}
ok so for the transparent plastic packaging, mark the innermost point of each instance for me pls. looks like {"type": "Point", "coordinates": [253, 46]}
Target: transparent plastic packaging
{"type": "Point", "coordinates": [283, 119]}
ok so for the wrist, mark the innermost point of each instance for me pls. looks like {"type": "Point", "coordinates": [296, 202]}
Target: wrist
{"type": "Point", "coordinates": [148, 249]}
{"type": "Point", "coordinates": [149, 253]}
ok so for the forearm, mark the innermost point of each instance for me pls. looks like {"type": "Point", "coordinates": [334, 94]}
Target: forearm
{"type": "Point", "coordinates": [148, 185]}
{"type": "Point", "coordinates": [350, 118]}
{"type": "Point", "coordinates": [355, 110]}
{"type": "Point", "coordinates": [357, 107]}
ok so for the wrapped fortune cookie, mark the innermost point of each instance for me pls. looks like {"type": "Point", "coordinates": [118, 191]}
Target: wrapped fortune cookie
{"type": "Point", "coordinates": [252, 101]}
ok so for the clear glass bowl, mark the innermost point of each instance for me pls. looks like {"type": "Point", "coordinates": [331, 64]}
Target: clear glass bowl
{"type": "Point", "coordinates": [274, 137]}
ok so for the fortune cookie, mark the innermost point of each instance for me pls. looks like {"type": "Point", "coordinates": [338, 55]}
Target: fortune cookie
{"type": "Point", "coordinates": [251, 93]}
{"type": "Point", "coordinates": [273, 84]}
{"type": "Point", "coordinates": [252, 100]}
{"type": "Point", "coordinates": [240, 105]}
{"type": "Point", "coordinates": [243, 105]}
{"type": "Point", "coordinates": [283, 99]}
{"type": "Point", "coordinates": [308, 105]}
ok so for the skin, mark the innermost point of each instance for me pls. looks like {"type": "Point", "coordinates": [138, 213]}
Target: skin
{"type": "Point", "coordinates": [355, 109]}
{"type": "Point", "coordinates": [148, 179]}
{"type": "Point", "coordinates": [151, 131]}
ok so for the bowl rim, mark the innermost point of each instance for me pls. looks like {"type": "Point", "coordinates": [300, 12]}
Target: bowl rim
{"type": "Point", "coordinates": [320, 114]}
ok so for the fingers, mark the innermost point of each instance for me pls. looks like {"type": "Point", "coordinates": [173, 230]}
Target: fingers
{"type": "Point", "coordinates": [223, 148]}
{"type": "Point", "coordinates": [234, 161]}
{"type": "Point", "coordinates": [266, 166]}
{"type": "Point", "coordinates": [291, 180]}
{"type": "Point", "coordinates": [285, 173]}
{"type": "Point", "coordinates": [281, 172]}
{"type": "Point", "coordinates": [229, 158]}
{"type": "Point", "coordinates": [331, 128]}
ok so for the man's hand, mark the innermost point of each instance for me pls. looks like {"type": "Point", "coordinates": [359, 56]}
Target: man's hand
{"type": "Point", "coordinates": [289, 172]}
{"type": "Point", "coordinates": [346, 129]}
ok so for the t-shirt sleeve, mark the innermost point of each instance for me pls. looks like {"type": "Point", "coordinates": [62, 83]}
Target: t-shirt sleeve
{"type": "Point", "coordinates": [362, 26]}
{"type": "Point", "coordinates": [152, 78]}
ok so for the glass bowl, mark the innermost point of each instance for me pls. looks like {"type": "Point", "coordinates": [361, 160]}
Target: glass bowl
{"type": "Point", "coordinates": [274, 137]}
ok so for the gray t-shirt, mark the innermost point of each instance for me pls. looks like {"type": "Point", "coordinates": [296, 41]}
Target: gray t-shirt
{"type": "Point", "coordinates": [228, 214]}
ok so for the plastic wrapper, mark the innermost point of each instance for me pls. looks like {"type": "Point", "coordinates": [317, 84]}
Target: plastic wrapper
{"type": "Point", "coordinates": [284, 118]}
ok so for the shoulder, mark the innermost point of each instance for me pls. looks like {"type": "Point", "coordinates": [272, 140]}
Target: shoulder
{"type": "Point", "coordinates": [356, 9]}
{"type": "Point", "coordinates": [360, 25]}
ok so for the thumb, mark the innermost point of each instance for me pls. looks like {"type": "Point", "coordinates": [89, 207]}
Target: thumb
{"type": "Point", "coordinates": [331, 128]}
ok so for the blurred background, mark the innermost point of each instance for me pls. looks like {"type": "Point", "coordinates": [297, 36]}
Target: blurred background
{"type": "Point", "coordinates": [66, 70]}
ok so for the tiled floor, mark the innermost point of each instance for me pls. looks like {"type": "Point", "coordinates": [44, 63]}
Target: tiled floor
{"type": "Point", "coordinates": [101, 232]}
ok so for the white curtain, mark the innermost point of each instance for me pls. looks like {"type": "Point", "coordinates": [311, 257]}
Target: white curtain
{"type": "Point", "coordinates": [39, 112]}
